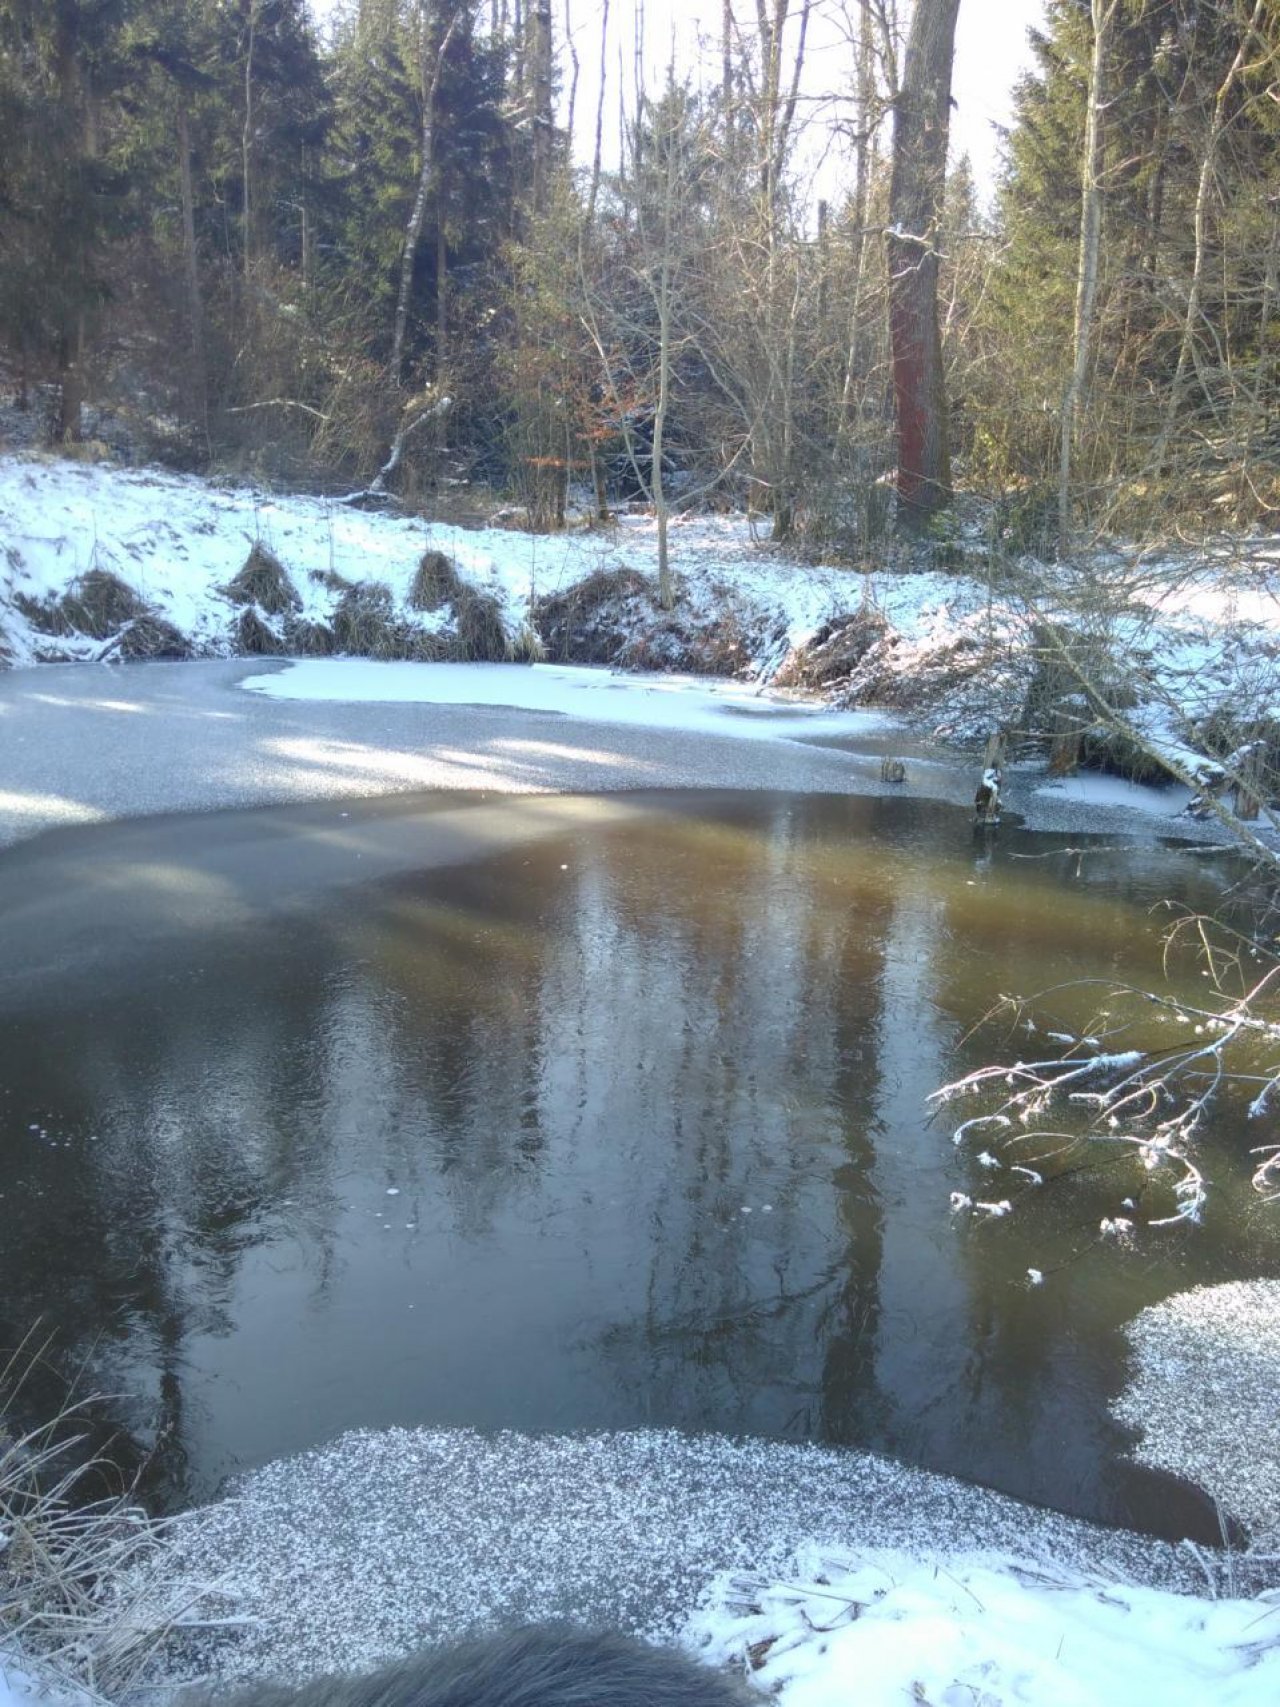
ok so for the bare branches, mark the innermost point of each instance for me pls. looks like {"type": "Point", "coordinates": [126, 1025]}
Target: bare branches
{"type": "Point", "coordinates": [1142, 1105]}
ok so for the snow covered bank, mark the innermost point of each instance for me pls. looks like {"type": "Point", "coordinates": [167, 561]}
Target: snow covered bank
{"type": "Point", "coordinates": [1205, 1396]}
{"type": "Point", "coordinates": [822, 1577]}
{"type": "Point", "coordinates": [101, 563]}
{"type": "Point", "coordinates": [883, 1627]}
{"type": "Point", "coordinates": [179, 542]}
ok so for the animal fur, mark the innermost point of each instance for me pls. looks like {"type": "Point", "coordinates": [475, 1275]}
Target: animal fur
{"type": "Point", "coordinates": [538, 1667]}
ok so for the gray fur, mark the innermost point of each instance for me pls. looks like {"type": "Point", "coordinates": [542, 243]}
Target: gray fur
{"type": "Point", "coordinates": [540, 1667]}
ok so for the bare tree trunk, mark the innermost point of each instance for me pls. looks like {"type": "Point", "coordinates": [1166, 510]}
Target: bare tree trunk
{"type": "Point", "coordinates": [1204, 188]}
{"type": "Point", "coordinates": [1073, 399]}
{"type": "Point", "coordinates": [73, 337]}
{"type": "Point", "coordinates": [595, 158]}
{"type": "Point", "coordinates": [430, 67]}
{"type": "Point", "coordinates": [542, 70]}
{"type": "Point", "coordinates": [666, 589]}
{"type": "Point", "coordinates": [573, 60]}
{"type": "Point", "coordinates": [195, 300]}
{"type": "Point", "coordinates": [921, 121]}
{"type": "Point", "coordinates": [866, 91]}
{"type": "Point", "coordinates": [72, 351]}
{"type": "Point", "coordinates": [246, 144]}
{"type": "Point", "coordinates": [442, 294]}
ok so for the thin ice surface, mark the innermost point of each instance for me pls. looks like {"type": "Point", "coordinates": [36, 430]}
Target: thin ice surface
{"type": "Point", "coordinates": [1205, 1396]}
{"type": "Point", "coordinates": [384, 1541]}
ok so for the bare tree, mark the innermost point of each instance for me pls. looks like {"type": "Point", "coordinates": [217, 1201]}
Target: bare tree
{"type": "Point", "coordinates": [1103, 13]}
{"type": "Point", "coordinates": [1250, 35]}
{"type": "Point", "coordinates": [920, 128]}
{"type": "Point", "coordinates": [431, 51]}
{"type": "Point", "coordinates": [246, 140]}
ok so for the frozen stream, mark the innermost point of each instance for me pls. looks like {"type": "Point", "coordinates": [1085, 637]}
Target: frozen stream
{"type": "Point", "coordinates": [514, 1130]}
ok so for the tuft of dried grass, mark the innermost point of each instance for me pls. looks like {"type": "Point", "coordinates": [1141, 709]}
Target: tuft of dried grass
{"type": "Point", "coordinates": [87, 1590]}
{"type": "Point", "coordinates": [365, 625]}
{"type": "Point", "coordinates": [436, 582]}
{"type": "Point", "coordinates": [591, 621]}
{"type": "Point", "coordinates": [264, 581]}
{"type": "Point", "coordinates": [835, 650]}
{"type": "Point", "coordinates": [482, 637]}
{"type": "Point", "coordinates": [330, 580]}
{"type": "Point", "coordinates": [254, 637]}
{"type": "Point", "coordinates": [152, 636]}
{"type": "Point", "coordinates": [99, 603]}
{"type": "Point", "coordinates": [306, 639]}
{"type": "Point", "coordinates": [100, 606]}
{"type": "Point", "coordinates": [363, 618]}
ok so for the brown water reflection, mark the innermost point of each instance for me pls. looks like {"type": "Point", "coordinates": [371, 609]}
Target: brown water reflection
{"type": "Point", "coordinates": [612, 1117]}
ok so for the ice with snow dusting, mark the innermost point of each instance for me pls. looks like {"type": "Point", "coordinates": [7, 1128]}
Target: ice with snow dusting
{"type": "Point", "coordinates": [882, 1627]}
{"type": "Point", "coordinates": [384, 1541]}
{"type": "Point", "coordinates": [1096, 790]}
{"type": "Point", "coordinates": [690, 703]}
{"type": "Point", "coordinates": [1204, 1394]}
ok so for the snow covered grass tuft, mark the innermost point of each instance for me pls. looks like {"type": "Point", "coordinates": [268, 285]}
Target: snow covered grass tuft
{"type": "Point", "coordinates": [85, 1595]}
{"type": "Point", "coordinates": [882, 1627]}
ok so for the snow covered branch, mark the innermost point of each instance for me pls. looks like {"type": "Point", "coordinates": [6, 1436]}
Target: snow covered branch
{"type": "Point", "coordinates": [1093, 1103]}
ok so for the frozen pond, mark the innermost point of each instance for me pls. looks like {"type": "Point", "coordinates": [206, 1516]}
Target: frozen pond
{"type": "Point", "coordinates": [569, 1113]}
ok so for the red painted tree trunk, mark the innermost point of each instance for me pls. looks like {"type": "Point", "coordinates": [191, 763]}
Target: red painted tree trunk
{"type": "Point", "coordinates": [921, 118]}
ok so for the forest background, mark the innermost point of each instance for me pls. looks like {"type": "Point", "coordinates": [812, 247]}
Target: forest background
{"type": "Point", "coordinates": [365, 255]}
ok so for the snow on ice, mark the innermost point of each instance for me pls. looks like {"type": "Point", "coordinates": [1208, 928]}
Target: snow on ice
{"type": "Point", "coordinates": [688, 703]}
{"type": "Point", "coordinates": [385, 1541]}
{"type": "Point", "coordinates": [1205, 1396]}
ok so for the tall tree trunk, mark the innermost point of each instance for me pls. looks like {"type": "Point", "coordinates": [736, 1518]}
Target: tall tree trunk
{"type": "Point", "coordinates": [666, 588]}
{"type": "Point", "coordinates": [596, 155]}
{"type": "Point", "coordinates": [726, 65]}
{"type": "Point", "coordinates": [246, 143]}
{"type": "Point", "coordinates": [921, 121]}
{"type": "Point", "coordinates": [195, 299]}
{"type": "Point", "coordinates": [542, 70]}
{"type": "Point", "coordinates": [1073, 400]}
{"type": "Point", "coordinates": [442, 293]}
{"type": "Point", "coordinates": [577, 68]}
{"type": "Point", "coordinates": [863, 145]}
{"type": "Point", "coordinates": [430, 65]}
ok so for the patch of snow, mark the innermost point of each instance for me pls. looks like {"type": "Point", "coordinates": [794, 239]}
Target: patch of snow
{"type": "Point", "coordinates": [690, 703]}
{"type": "Point", "coordinates": [882, 1627]}
{"type": "Point", "coordinates": [1100, 790]}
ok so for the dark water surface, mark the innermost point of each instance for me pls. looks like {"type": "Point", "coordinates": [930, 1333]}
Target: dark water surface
{"type": "Point", "coordinates": [575, 1114]}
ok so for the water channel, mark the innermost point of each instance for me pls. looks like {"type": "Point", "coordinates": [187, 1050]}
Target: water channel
{"type": "Point", "coordinates": [574, 1113]}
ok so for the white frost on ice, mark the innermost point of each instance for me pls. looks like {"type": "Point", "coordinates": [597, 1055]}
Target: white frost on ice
{"type": "Point", "coordinates": [1204, 1394]}
{"type": "Point", "coordinates": [383, 1541]}
{"type": "Point", "coordinates": [1098, 790]}
{"type": "Point", "coordinates": [690, 703]}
